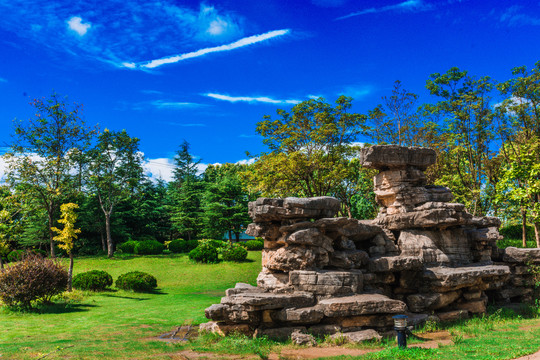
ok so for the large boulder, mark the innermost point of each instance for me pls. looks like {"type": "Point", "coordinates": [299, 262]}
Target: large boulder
{"type": "Point", "coordinates": [384, 157]}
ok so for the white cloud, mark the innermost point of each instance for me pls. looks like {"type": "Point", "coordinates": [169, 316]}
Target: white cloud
{"type": "Point", "coordinates": [513, 17]}
{"type": "Point", "coordinates": [3, 80]}
{"type": "Point", "coordinates": [75, 23]}
{"type": "Point", "coordinates": [162, 104]}
{"type": "Point", "coordinates": [250, 40]}
{"type": "Point", "coordinates": [246, 161]}
{"type": "Point", "coordinates": [159, 168]}
{"type": "Point", "coordinates": [357, 91]}
{"type": "Point", "coordinates": [405, 6]}
{"type": "Point", "coordinates": [250, 99]}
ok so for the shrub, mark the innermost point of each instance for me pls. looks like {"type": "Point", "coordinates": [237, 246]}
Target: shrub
{"type": "Point", "coordinates": [94, 280]}
{"type": "Point", "coordinates": [182, 246]}
{"type": "Point", "coordinates": [128, 247]}
{"type": "Point", "coordinates": [515, 232]}
{"type": "Point", "coordinates": [149, 247]}
{"type": "Point", "coordinates": [15, 255]}
{"type": "Point", "coordinates": [32, 278]}
{"type": "Point", "coordinates": [206, 251]}
{"type": "Point", "coordinates": [254, 244]}
{"type": "Point", "coordinates": [234, 252]}
{"type": "Point", "coordinates": [136, 281]}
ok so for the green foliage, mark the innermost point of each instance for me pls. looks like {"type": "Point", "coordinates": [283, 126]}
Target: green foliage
{"type": "Point", "coordinates": [43, 163]}
{"type": "Point", "coordinates": [254, 245]}
{"type": "Point", "coordinates": [182, 246]}
{"type": "Point", "coordinates": [128, 247]}
{"type": "Point", "coordinates": [207, 251]}
{"type": "Point", "coordinates": [234, 252]}
{"type": "Point", "coordinates": [515, 232]}
{"type": "Point", "coordinates": [312, 152]}
{"type": "Point", "coordinates": [137, 281]}
{"type": "Point", "coordinates": [15, 255]}
{"type": "Point", "coordinates": [225, 201]}
{"type": "Point", "coordinates": [94, 280]}
{"type": "Point", "coordinates": [149, 247]}
{"type": "Point", "coordinates": [30, 279]}
{"type": "Point", "coordinates": [115, 173]}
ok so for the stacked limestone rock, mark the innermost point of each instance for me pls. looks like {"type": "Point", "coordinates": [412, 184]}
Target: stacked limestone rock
{"type": "Point", "coordinates": [422, 255]}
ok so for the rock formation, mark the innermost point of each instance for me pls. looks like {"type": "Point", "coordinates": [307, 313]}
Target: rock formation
{"type": "Point", "coordinates": [423, 255]}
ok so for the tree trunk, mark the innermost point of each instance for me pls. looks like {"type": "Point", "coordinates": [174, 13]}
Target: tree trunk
{"type": "Point", "coordinates": [537, 233]}
{"type": "Point", "coordinates": [237, 236]}
{"type": "Point", "coordinates": [103, 243]}
{"type": "Point", "coordinates": [70, 272]}
{"type": "Point", "coordinates": [1, 262]}
{"type": "Point", "coordinates": [524, 226]}
{"type": "Point", "coordinates": [230, 236]}
{"type": "Point", "coordinates": [110, 245]}
{"type": "Point", "coordinates": [51, 235]}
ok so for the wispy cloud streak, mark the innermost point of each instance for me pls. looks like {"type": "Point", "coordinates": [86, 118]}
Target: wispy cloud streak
{"type": "Point", "coordinates": [514, 17]}
{"type": "Point", "coordinates": [250, 40]}
{"type": "Point", "coordinates": [250, 99]}
{"type": "Point", "coordinates": [408, 5]}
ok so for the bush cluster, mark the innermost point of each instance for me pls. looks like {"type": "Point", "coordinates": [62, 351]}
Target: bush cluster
{"type": "Point", "coordinates": [149, 247]}
{"type": "Point", "coordinates": [32, 278]}
{"type": "Point", "coordinates": [94, 280]}
{"type": "Point", "coordinates": [207, 251]}
{"type": "Point", "coordinates": [182, 246]}
{"type": "Point", "coordinates": [128, 247]}
{"type": "Point", "coordinates": [515, 232]}
{"type": "Point", "coordinates": [15, 255]}
{"type": "Point", "coordinates": [137, 281]}
{"type": "Point", "coordinates": [234, 252]}
{"type": "Point", "coordinates": [254, 244]}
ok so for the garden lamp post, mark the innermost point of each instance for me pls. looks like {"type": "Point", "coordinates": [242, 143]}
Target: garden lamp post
{"type": "Point", "coordinates": [400, 325]}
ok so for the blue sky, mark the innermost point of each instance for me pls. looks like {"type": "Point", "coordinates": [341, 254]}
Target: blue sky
{"type": "Point", "coordinates": [207, 72]}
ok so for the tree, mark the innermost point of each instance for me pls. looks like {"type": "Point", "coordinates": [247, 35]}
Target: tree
{"type": "Point", "coordinates": [225, 202]}
{"type": "Point", "coordinates": [42, 160]}
{"type": "Point", "coordinates": [469, 118]}
{"type": "Point", "coordinates": [67, 236]}
{"type": "Point", "coordinates": [311, 148]}
{"type": "Point", "coordinates": [519, 130]}
{"type": "Point", "coordinates": [396, 121]}
{"type": "Point", "coordinates": [185, 194]}
{"type": "Point", "coordinates": [114, 173]}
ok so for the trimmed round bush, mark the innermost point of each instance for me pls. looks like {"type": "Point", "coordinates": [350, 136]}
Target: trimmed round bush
{"type": "Point", "coordinates": [234, 252]}
{"type": "Point", "coordinates": [182, 246]}
{"type": "Point", "coordinates": [94, 280]}
{"type": "Point", "coordinates": [206, 252]}
{"type": "Point", "coordinates": [137, 281]}
{"type": "Point", "coordinates": [254, 245]}
{"type": "Point", "coordinates": [149, 247]}
{"type": "Point", "coordinates": [128, 247]}
{"type": "Point", "coordinates": [15, 255]}
{"type": "Point", "coordinates": [30, 279]}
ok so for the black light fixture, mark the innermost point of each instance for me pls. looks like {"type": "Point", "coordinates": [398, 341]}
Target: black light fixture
{"type": "Point", "coordinates": [400, 325]}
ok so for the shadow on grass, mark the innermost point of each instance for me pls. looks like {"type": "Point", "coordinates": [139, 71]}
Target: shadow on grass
{"type": "Point", "coordinates": [59, 308]}
{"type": "Point", "coordinates": [115, 295]}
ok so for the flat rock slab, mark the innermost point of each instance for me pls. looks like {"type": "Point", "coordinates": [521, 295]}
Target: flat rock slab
{"type": "Point", "coordinates": [267, 301]}
{"type": "Point", "coordinates": [358, 336]}
{"type": "Point", "coordinates": [267, 209]}
{"type": "Point", "coordinates": [362, 304]}
{"type": "Point", "coordinates": [448, 279]}
{"type": "Point", "coordinates": [383, 157]}
{"type": "Point", "coordinates": [447, 215]}
{"type": "Point", "coordinates": [515, 255]}
{"type": "Point", "coordinates": [395, 263]}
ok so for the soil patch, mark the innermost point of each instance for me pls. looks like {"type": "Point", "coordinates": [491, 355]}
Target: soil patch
{"type": "Point", "coordinates": [535, 356]}
{"type": "Point", "coordinates": [434, 340]}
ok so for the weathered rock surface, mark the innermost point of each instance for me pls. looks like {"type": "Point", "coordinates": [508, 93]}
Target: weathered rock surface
{"type": "Point", "coordinates": [423, 256]}
{"type": "Point", "coordinates": [362, 304]}
{"type": "Point", "coordinates": [358, 336]}
{"type": "Point", "coordinates": [383, 157]}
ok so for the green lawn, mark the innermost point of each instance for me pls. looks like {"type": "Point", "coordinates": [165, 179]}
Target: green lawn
{"type": "Point", "coordinates": [121, 325]}
{"type": "Point", "coordinates": [114, 325]}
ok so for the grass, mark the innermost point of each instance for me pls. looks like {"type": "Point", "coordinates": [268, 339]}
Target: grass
{"type": "Point", "coordinates": [117, 324]}
{"type": "Point", "coordinates": [124, 325]}
{"type": "Point", "coordinates": [506, 242]}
